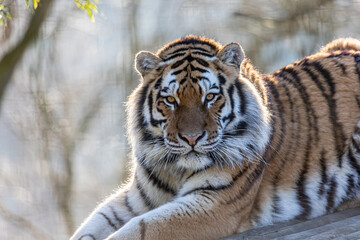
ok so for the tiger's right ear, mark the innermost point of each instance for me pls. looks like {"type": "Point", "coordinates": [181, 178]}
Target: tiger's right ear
{"type": "Point", "coordinates": [145, 62]}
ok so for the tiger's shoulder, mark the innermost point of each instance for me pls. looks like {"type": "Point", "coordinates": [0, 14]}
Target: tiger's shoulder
{"type": "Point", "coordinates": [341, 44]}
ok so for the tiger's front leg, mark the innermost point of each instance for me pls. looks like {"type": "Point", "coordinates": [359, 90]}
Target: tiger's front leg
{"type": "Point", "coordinates": [105, 219]}
{"type": "Point", "coordinates": [196, 216]}
{"type": "Point", "coordinates": [140, 196]}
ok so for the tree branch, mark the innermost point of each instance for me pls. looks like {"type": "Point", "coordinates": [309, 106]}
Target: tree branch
{"type": "Point", "coordinates": [10, 59]}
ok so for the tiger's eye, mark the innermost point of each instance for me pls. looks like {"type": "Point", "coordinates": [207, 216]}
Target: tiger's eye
{"type": "Point", "coordinates": [170, 99]}
{"type": "Point", "coordinates": [210, 96]}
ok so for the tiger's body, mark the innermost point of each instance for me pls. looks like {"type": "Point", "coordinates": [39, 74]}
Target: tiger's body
{"type": "Point", "coordinates": [221, 148]}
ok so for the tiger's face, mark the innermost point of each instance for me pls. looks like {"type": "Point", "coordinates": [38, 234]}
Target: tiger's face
{"type": "Point", "coordinates": [193, 110]}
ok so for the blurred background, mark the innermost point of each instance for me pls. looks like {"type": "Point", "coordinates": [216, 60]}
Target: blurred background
{"type": "Point", "coordinates": [62, 137]}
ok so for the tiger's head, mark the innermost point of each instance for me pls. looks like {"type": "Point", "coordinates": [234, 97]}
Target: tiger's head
{"type": "Point", "coordinates": [194, 108]}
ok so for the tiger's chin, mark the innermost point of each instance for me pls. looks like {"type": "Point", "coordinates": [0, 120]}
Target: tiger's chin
{"type": "Point", "coordinates": [194, 160]}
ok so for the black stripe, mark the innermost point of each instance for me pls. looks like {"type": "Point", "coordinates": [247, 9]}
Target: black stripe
{"type": "Point", "coordinates": [355, 144]}
{"type": "Point", "coordinates": [128, 206]}
{"type": "Point", "coordinates": [187, 48]}
{"type": "Point", "coordinates": [337, 126]}
{"type": "Point", "coordinates": [200, 49]}
{"type": "Point", "coordinates": [239, 130]}
{"type": "Point", "coordinates": [108, 221]}
{"type": "Point", "coordinates": [190, 41]}
{"type": "Point", "coordinates": [202, 53]}
{"type": "Point", "coordinates": [241, 93]}
{"type": "Point", "coordinates": [178, 72]}
{"type": "Point", "coordinates": [157, 182]}
{"type": "Point", "coordinates": [357, 69]}
{"type": "Point", "coordinates": [202, 62]}
{"type": "Point", "coordinates": [221, 78]}
{"type": "Point", "coordinates": [324, 176]}
{"type": "Point", "coordinates": [141, 123]}
{"type": "Point", "coordinates": [340, 65]}
{"type": "Point", "coordinates": [194, 80]}
{"type": "Point", "coordinates": [357, 99]}
{"type": "Point", "coordinates": [118, 219]}
{"type": "Point", "coordinates": [146, 199]}
{"type": "Point", "coordinates": [193, 68]}
{"type": "Point", "coordinates": [280, 110]}
{"type": "Point", "coordinates": [158, 83]}
{"type": "Point", "coordinates": [140, 106]}
{"type": "Point", "coordinates": [275, 203]}
{"type": "Point", "coordinates": [178, 63]}
{"type": "Point", "coordinates": [352, 160]}
{"type": "Point", "coordinates": [182, 81]}
{"type": "Point", "coordinates": [142, 229]}
{"type": "Point", "coordinates": [350, 186]}
{"type": "Point", "coordinates": [198, 171]}
{"type": "Point", "coordinates": [87, 235]}
{"type": "Point", "coordinates": [153, 122]}
{"type": "Point", "coordinates": [331, 195]}
{"type": "Point", "coordinates": [174, 56]}
{"type": "Point", "coordinates": [221, 187]}
{"type": "Point", "coordinates": [251, 180]}
{"type": "Point", "coordinates": [231, 115]}
{"type": "Point", "coordinates": [206, 196]}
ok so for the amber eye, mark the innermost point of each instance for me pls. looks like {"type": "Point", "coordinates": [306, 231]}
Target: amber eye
{"type": "Point", "coordinates": [170, 99]}
{"type": "Point", "coordinates": [210, 96]}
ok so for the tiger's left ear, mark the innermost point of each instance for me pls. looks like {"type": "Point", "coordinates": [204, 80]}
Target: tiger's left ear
{"type": "Point", "coordinates": [232, 54]}
{"type": "Point", "coordinates": [145, 62]}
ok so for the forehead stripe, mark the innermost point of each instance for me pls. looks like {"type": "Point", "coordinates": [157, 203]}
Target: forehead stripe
{"type": "Point", "coordinates": [191, 41]}
{"type": "Point", "coordinates": [202, 62]}
{"type": "Point", "coordinates": [174, 56]}
{"type": "Point", "coordinates": [201, 53]}
{"type": "Point", "coordinates": [193, 68]}
{"type": "Point", "coordinates": [192, 48]}
{"type": "Point", "coordinates": [178, 63]}
{"type": "Point", "coordinates": [178, 72]}
{"type": "Point", "coordinates": [183, 81]}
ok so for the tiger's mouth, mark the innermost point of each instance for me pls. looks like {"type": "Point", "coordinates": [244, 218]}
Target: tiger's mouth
{"type": "Point", "coordinates": [193, 153]}
{"type": "Point", "coordinates": [193, 160]}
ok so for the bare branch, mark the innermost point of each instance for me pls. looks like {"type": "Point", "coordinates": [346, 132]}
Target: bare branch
{"type": "Point", "coordinates": [10, 59]}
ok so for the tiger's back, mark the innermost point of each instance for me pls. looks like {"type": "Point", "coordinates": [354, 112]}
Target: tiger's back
{"type": "Point", "coordinates": [313, 158]}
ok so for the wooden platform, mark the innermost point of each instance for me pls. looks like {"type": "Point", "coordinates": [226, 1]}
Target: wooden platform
{"type": "Point", "coordinates": [340, 225]}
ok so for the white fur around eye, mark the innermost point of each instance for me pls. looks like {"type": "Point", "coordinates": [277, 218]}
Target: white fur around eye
{"type": "Point", "coordinates": [212, 101]}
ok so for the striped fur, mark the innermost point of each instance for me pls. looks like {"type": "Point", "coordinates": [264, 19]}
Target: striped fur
{"type": "Point", "coordinates": [220, 148]}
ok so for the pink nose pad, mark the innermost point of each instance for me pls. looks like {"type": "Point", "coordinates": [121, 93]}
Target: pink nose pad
{"type": "Point", "coordinates": [191, 139]}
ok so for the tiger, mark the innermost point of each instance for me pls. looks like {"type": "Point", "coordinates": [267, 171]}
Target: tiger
{"type": "Point", "coordinates": [219, 148]}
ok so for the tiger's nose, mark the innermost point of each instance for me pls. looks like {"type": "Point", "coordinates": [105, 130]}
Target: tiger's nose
{"type": "Point", "coordinates": [191, 139]}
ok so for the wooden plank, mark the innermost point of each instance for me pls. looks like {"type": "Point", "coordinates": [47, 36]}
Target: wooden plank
{"type": "Point", "coordinates": [314, 226]}
{"type": "Point", "coordinates": [318, 230]}
{"type": "Point", "coordinates": [338, 232]}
